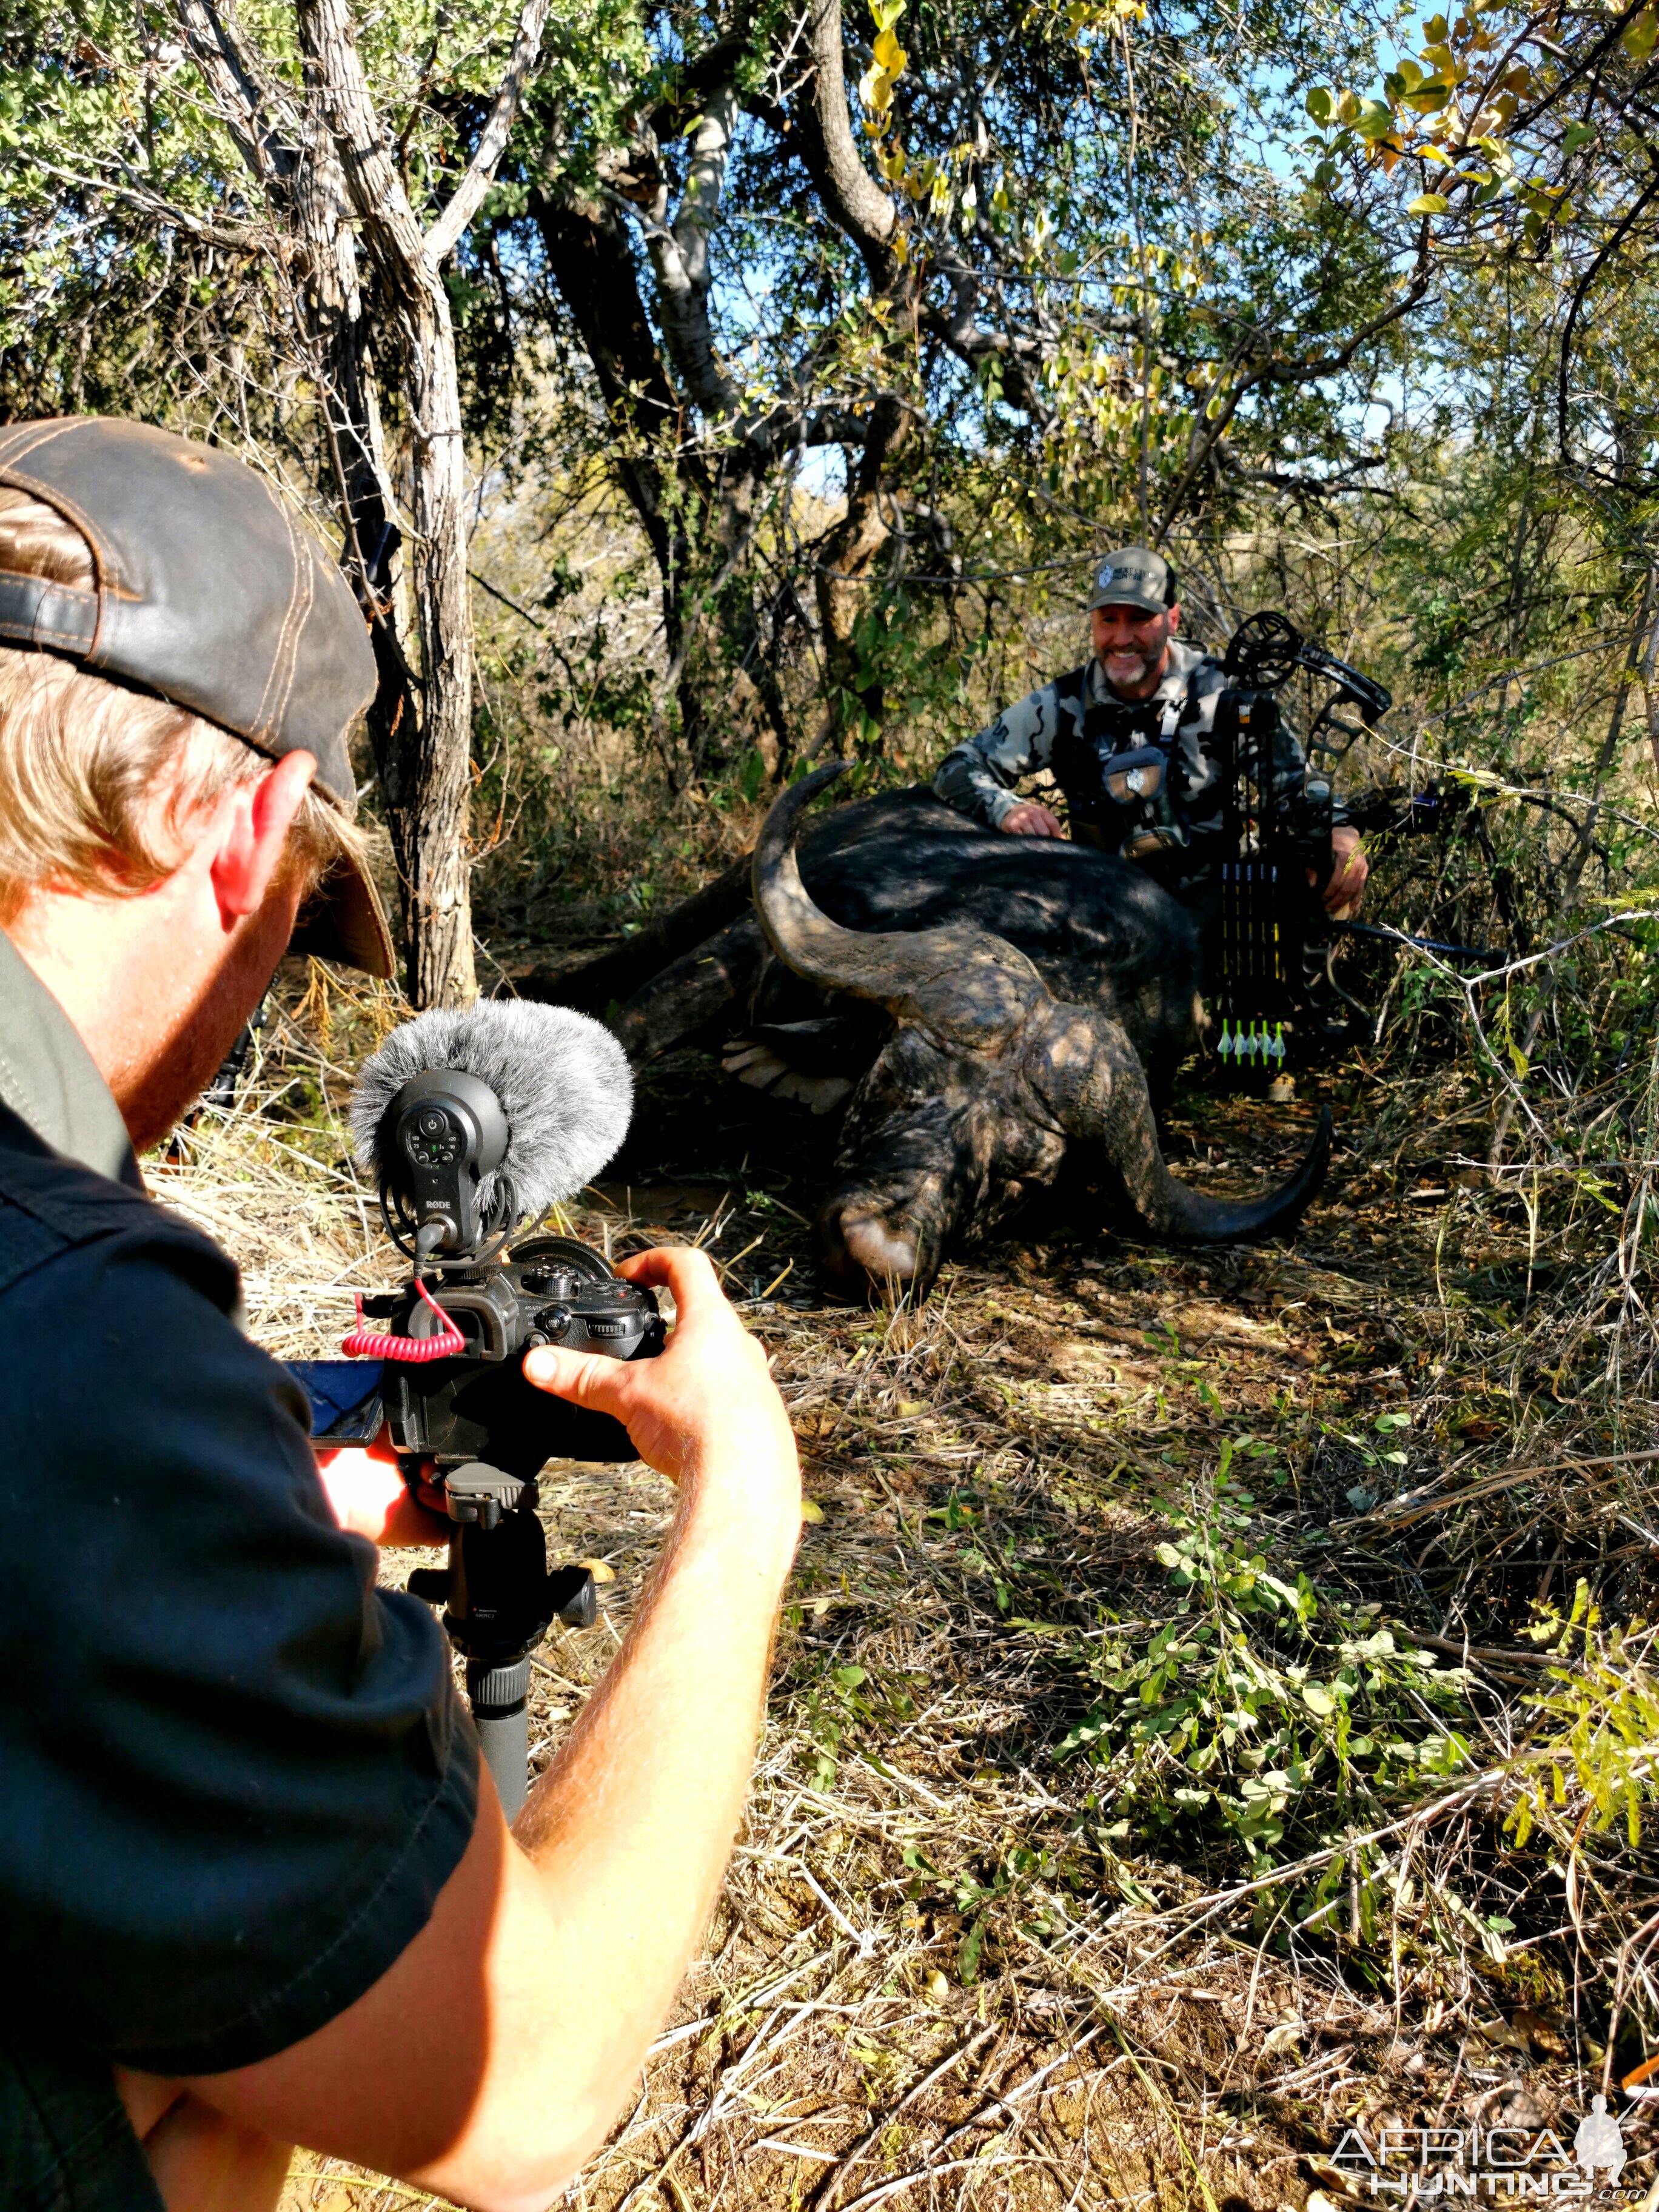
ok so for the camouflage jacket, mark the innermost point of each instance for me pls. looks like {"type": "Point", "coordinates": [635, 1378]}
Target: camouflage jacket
{"type": "Point", "coordinates": [978, 778]}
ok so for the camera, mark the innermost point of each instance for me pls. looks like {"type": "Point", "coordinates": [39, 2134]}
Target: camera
{"type": "Point", "coordinates": [450, 1384]}
{"type": "Point", "coordinates": [475, 1402]}
{"type": "Point", "coordinates": [474, 1123]}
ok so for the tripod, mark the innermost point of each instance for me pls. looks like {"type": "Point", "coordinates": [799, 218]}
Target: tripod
{"type": "Point", "coordinates": [499, 1601]}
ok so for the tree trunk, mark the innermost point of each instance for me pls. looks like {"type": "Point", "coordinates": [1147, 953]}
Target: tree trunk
{"type": "Point", "coordinates": [337, 325]}
{"type": "Point", "coordinates": [438, 895]}
{"type": "Point", "coordinates": [853, 546]}
{"type": "Point", "coordinates": [425, 760]}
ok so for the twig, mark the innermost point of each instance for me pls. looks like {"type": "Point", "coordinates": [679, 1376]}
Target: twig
{"type": "Point", "coordinates": [824, 2193]}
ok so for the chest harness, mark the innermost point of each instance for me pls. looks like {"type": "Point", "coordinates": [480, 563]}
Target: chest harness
{"type": "Point", "coordinates": [1118, 763]}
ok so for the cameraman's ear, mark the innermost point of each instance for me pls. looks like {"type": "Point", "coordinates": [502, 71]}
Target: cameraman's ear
{"type": "Point", "coordinates": [252, 832]}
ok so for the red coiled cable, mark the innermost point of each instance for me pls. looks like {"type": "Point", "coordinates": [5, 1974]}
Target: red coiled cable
{"type": "Point", "coordinates": [377, 1344]}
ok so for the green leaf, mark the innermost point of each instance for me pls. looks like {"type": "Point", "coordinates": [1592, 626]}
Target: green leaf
{"type": "Point", "coordinates": [968, 1956]}
{"type": "Point", "coordinates": [1086, 1731]}
{"type": "Point", "coordinates": [1318, 104]}
{"type": "Point", "coordinates": [850, 1677]}
{"type": "Point", "coordinates": [1430, 203]}
{"type": "Point", "coordinates": [1318, 1701]}
{"type": "Point", "coordinates": [1574, 136]}
{"type": "Point", "coordinates": [1641, 34]}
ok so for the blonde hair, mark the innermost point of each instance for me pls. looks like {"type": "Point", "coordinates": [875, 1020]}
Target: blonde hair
{"type": "Point", "coordinates": [99, 780]}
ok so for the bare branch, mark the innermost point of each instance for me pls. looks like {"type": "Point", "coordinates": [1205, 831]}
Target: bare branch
{"type": "Point", "coordinates": [444, 235]}
{"type": "Point", "coordinates": [1208, 434]}
{"type": "Point", "coordinates": [235, 238]}
{"type": "Point", "coordinates": [680, 257]}
{"type": "Point", "coordinates": [237, 89]}
{"type": "Point", "coordinates": [855, 201]}
{"type": "Point", "coordinates": [957, 328]}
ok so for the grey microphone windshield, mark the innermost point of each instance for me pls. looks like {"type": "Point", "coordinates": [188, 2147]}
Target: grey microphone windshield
{"type": "Point", "coordinates": [562, 1080]}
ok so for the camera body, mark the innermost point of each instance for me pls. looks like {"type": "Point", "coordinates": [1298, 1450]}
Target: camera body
{"type": "Point", "coordinates": [476, 1404]}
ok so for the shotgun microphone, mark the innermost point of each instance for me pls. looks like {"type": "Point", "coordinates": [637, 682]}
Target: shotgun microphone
{"type": "Point", "coordinates": [472, 1122]}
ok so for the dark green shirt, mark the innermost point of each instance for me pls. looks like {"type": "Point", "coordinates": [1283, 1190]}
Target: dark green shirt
{"type": "Point", "coordinates": [236, 1774]}
{"type": "Point", "coordinates": [49, 1080]}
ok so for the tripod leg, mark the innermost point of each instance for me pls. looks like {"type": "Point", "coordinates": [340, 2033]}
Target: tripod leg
{"type": "Point", "coordinates": [497, 1695]}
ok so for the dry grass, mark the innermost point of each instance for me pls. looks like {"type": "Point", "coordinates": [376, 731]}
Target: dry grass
{"type": "Point", "coordinates": [941, 1972]}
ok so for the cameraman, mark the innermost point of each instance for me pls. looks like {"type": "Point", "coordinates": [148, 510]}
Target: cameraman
{"type": "Point", "coordinates": [255, 1888]}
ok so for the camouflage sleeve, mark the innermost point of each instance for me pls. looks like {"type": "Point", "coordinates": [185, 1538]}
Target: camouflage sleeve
{"type": "Point", "coordinates": [978, 777]}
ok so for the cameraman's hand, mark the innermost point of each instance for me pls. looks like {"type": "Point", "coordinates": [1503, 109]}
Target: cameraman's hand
{"type": "Point", "coordinates": [709, 1398]}
{"type": "Point", "coordinates": [366, 1487]}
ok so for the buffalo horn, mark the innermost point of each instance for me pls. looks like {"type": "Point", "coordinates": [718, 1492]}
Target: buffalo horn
{"type": "Point", "coordinates": [958, 979]}
{"type": "Point", "coordinates": [1097, 1089]}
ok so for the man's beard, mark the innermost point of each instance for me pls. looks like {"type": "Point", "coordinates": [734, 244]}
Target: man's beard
{"type": "Point", "coordinates": [1128, 668]}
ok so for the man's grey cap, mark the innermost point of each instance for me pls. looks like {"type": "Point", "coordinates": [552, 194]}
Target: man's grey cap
{"type": "Point", "coordinates": [1136, 577]}
{"type": "Point", "coordinates": [211, 594]}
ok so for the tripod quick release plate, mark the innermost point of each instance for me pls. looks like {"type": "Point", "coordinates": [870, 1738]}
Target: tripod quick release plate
{"type": "Point", "coordinates": [477, 1492]}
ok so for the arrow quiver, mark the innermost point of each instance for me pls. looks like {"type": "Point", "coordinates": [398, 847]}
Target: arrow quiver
{"type": "Point", "coordinates": [1277, 821]}
{"type": "Point", "coordinates": [1267, 904]}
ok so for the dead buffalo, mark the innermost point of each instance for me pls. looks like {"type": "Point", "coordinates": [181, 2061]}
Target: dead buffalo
{"type": "Point", "coordinates": [981, 1003]}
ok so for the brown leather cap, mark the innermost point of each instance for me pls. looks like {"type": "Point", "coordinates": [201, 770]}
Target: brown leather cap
{"type": "Point", "coordinates": [211, 594]}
